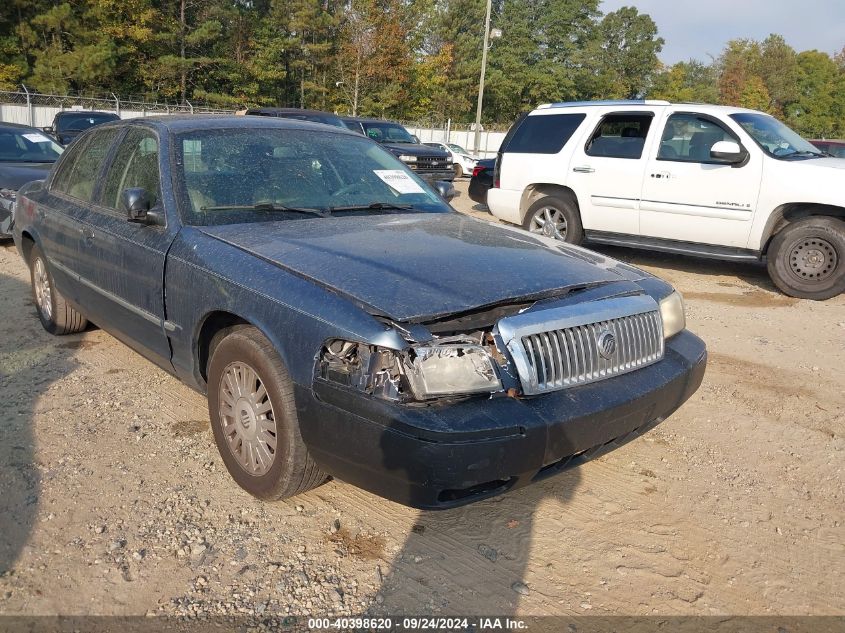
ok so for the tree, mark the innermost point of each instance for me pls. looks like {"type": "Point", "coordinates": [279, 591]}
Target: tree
{"type": "Point", "coordinates": [686, 82]}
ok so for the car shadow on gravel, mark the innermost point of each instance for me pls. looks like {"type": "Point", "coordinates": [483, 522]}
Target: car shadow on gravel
{"type": "Point", "coordinates": [29, 363]}
{"type": "Point", "coordinates": [751, 273]}
{"type": "Point", "coordinates": [474, 560]}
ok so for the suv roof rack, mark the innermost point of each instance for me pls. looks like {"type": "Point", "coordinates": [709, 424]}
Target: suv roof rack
{"type": "Point", "coordinates": [610, 102]}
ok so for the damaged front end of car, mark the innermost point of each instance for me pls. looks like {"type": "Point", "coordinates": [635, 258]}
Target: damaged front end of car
{"type": "Point", "coordinates": [443, 367]}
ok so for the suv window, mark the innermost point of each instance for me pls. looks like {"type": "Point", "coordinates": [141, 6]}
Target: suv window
{"type": "Point", "coordinates": [79, 179]}
{"type": "Point", "coordinates": [688, 138]}
{"type": "Point", "coordinates": [134, 165]}
{"type": "Point", "coordinates": [542, 134]}
{"type": "Point", "coordinates": [620, 135]}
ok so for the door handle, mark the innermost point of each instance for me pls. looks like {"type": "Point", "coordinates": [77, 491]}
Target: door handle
{"type": "Point", "coordinates": [661, 174]}
{"type": "Point", "coordinates": [583, 170]}
{"type": "Point", "coordinates": [87, 234]}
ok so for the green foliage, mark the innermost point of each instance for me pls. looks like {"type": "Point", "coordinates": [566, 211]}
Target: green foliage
{"type": "Point", "coordinates": [408, 59]}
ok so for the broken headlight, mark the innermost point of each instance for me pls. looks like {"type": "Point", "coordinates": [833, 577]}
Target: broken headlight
{"type": "Point", "coordinates": [444, 370]}
{"type": "Point", "coordinates": [419, 373]}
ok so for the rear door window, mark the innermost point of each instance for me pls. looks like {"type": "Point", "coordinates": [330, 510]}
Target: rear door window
{"type": "Point", "coordinates": [542, 134]}
{"type": "Point", "coordinates": [620, 135]}
{"type": "Point", "coordinates": [81, 179]}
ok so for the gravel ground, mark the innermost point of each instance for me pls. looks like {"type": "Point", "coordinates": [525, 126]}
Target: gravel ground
{"type": "Point", "coordinates": [115, 501]}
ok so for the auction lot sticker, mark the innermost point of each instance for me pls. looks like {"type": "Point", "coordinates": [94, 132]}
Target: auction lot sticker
{"type": "Point", "coordinates": [398, 180]}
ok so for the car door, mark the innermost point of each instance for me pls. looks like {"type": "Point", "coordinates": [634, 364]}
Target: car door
{"type": "Point", "coordinates": [65, 207]}
{"type": "Point", "coordinates": [687, 195]}
{"type": "Point", "coordinates": [606, 170]}
{"type": "Point", "coordinates": [125, 264]}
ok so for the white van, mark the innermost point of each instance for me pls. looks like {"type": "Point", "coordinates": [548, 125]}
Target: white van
{"type": "Point", "coordinates": [703, 180]}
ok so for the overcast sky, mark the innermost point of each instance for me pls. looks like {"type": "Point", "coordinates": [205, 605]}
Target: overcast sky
{"type": "Point", "coordinates": [695, 29]}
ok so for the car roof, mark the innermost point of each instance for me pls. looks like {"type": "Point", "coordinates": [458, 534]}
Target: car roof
{"type": "Point", "coordinates": [176, 123]}
{"type": "Point", "coordinates": [18, 126]}
{"type": "Point", "coordinates": [271, 110]}
{"type": "Point", "coordinates": [106, 112]}
{"type": "Point", "coordinates": [368, 120]}
{"type": "Point", "coordinates": [634, 103]}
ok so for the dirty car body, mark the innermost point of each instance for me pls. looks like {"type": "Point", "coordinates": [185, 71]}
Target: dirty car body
{"type": "Point", "coordinates": [434, 359]}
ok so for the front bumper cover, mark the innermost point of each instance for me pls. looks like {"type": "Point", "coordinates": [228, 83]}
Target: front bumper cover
{"type": "Point", "coordinates": [446, 455]}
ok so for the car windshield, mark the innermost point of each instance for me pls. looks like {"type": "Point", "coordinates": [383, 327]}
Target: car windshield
{"type": "Point", "coordinates": [232, 176]}
{"type": "Point", "coordinates": [457, 148]}
{"type": "Point", "coordinates": [83, 120]}
{"type": "Point", "coordinates": [775, 138]}
{"type": "Point", "coordinates": [25, 145]}
{"type": "Point", "coordinates": [385, 132]}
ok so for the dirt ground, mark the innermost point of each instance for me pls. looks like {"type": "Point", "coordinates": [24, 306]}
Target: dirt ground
{"type": "Point", "coordinates": [113, 499]}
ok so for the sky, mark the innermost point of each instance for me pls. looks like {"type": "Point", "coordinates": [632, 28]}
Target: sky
{"type": "Point", "coordinates": [696, 30]}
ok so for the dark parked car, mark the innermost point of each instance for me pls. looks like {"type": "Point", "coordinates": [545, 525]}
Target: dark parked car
{"type": "Point", "coordinates": [342, 318]}
{"type": "Point", "coordinates": [315, 116]}
{"type": "Point", "coordinates": [834, 148]}
{"type": "Point", "coordinates": [25, 154]}
{"type": "Point", "coordinates": [482, 180]}
{"type": "Point", "coordinates": [430, 163]}
{"type": "Point", "coordinates": [68, 124]}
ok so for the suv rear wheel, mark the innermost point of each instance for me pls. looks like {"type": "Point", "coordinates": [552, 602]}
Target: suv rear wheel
{"type": "Point", "coordinates": [554, 217]}
{"type": "Point", "coordinates": [806, 259]}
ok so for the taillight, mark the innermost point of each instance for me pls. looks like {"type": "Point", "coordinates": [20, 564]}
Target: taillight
{"type": "Point", "coordinates": [477, 170]}
{"type": "Point", "coordinates": [497, 168]}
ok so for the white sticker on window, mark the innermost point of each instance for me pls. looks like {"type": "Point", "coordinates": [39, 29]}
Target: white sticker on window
{"type": "Point", "coordinates": [398, 180]}
{"type": "Point", "coordinates": [36, 138]}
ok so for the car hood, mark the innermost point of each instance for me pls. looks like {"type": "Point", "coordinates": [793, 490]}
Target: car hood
{"type": "Point", "coordinates": [415, 267]}
{"type": "Point", "coordinates": [15, 175]}
{"type": "Point", "coordinates": [824, 163]}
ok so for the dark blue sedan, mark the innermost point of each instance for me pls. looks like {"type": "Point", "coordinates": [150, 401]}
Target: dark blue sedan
{"type": "Point", "coordinates": [342, 318]}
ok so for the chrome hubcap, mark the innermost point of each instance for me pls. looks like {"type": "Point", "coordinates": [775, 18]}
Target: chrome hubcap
{"type": "Point", "coordinates": [246, 414]}
{"type": "Point", "coordinates": [813, 259]}
{"type": "Point", "coordinates": [43, 294]}
{"type": "Point", "coordinates": [550, 222]}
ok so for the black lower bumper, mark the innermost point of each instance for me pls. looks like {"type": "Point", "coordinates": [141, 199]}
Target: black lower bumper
{"type": "Point", "coordinates": [446, 455]}
{"type": "Point", "coordinates": [433, 175]}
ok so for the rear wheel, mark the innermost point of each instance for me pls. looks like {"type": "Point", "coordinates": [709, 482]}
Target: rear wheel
{"type": "Point", "coordinates": [54, 312]}
{"type": "Point", "coordinates": [555, 217]}
{"type": "Point", "coordinates": [806, 259]}
{"type": "Point", "coordinates": [253, 416]}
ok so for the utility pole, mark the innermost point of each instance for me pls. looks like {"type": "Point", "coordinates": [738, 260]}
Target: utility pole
{"type": "Point", "coordinates": [481, 82]}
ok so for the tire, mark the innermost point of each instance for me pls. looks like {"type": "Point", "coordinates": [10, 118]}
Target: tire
{"type": "Point", "coordinates": [564, 214]}
{"type": "Point", "coordinates": [54, 312]}
{"type": "Point", "coordinates": [459, 171]}
{"type": "Point", "coordinates": [242, 431]}
{"type": "Point", "coordinates": [806, 259]}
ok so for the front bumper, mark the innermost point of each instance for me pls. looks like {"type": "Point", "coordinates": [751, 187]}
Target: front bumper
{"type": "Point", "coordinates": [446, 455]}
{"type": "Point", "coordinates": [433, 175]}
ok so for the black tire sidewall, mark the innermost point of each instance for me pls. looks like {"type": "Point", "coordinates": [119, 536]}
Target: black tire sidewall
{"type": "Point", "coordinates": [832, 231]}
{"type": "Point", "coordinates": [574, 230]}
{"type": "Point", "coordinates": [245, 345]}
{"type": "Point", "coordinates": [459, 171]}
{"type": "Point", "coordinates": [48, 324]}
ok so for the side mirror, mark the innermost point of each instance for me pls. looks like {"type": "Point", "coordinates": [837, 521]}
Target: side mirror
{"type": "Point", "coordinates": [729, 152]}
{"type": "Point", "coordinates": [445, 189]}
{"type": "Point", "coordinates": [136, 202]}
{"type": "Point", "coordinates": [47, 130]}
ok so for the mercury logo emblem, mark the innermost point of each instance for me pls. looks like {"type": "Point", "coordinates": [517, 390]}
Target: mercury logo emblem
{"type": "Point", "coordinates": [606, 343]}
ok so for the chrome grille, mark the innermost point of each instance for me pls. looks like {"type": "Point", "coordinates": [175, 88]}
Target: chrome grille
{"type": "Point", "coordinates": [564, 347]}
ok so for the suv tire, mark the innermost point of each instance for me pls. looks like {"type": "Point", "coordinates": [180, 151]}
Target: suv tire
{"type": "Point", "coordinates": [555, 217]}
{"type": "Point", "coordinates": [253, 417]}
{"type": "Point", "coordinates": [806, 259]}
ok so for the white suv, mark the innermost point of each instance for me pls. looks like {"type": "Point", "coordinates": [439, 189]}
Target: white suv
{"type": "Point", "coordinates": [711, 181]}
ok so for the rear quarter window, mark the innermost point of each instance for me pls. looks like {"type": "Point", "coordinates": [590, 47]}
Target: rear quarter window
{"type": "Point", "coordinates": [542, 134]}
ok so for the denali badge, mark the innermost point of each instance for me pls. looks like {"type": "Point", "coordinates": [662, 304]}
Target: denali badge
{"type": "Point", "coordinates": [606, 344]}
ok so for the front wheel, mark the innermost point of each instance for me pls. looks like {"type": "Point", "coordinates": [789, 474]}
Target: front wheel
{"type": "Point", "coordinates": [459, 171]}
{"type": "Point", "coordinates": [54, 312]}
{"type": "Point", "coordinates": [554, 217]}
{"type": "Point", "coordinates": [806, 259]}
{"type": "Point", "coordinates": [254, 420]}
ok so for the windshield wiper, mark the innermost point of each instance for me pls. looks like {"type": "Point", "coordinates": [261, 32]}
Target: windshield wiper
{"type": "Point", "coordinates": [266, 206]}
{"type": "Point", "coordinates": [805, 153]}
{"type": "Point", "coordinates": [373, 206]}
